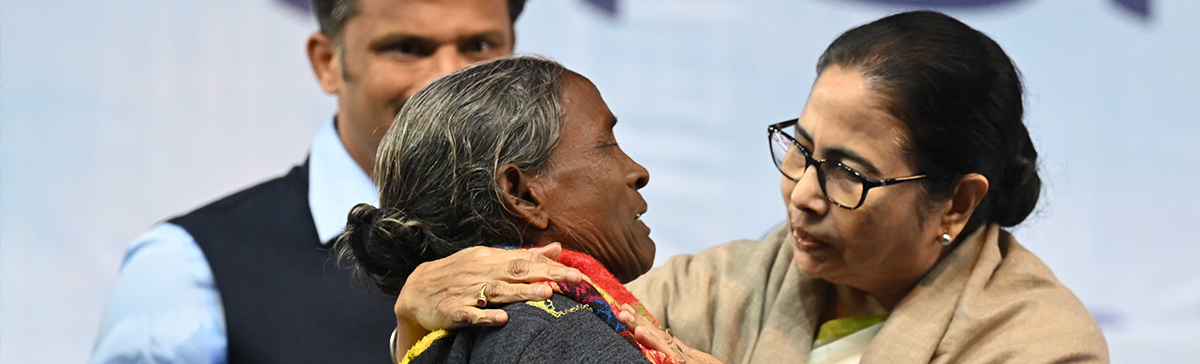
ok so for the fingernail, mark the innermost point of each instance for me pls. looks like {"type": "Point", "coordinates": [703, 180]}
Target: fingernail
{"type": "Point", "coordinates": [574, 276]}
{"type": "Point", "coordinates": [544, 291]}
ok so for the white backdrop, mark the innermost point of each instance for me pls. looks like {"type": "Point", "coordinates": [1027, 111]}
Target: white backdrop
{"type": "Point", "coordinates": [115, 116]}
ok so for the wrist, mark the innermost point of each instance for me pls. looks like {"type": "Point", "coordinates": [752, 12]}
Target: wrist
{"type": "Point", "coordinates": [406, 335]}
{"type": "Point", "coordinates": [392, 346]}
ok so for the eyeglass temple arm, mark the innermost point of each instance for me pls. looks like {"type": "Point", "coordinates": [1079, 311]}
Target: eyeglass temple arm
{"type": "Point", "coordinates": [901, 179]}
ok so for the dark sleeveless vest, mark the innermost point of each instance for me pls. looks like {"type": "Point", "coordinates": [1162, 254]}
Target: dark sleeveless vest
{"type": "Point", "coordinates": [285, 298]}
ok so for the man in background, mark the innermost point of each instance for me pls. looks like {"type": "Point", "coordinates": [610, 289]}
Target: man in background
{"type": "Point", "coordinates": [248, 278]}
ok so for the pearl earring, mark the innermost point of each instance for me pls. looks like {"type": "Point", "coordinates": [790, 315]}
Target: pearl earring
{"type": "Point", "coordinates": [946, 239]}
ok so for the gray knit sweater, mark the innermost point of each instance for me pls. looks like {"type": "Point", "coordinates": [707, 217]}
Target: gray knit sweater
{"type": "Point", "coordinates": [554, 331]}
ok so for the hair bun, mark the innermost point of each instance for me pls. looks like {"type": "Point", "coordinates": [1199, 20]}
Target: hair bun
{"type": "Point", "coordinates": [382, 245]}
{"type": "Point", "coordinates": [1018, 189]}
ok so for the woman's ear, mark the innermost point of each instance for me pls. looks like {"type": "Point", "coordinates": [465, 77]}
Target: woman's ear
{"type": "Point", "coordinates": [521, 197]}
{"type": "Point", "coordinates": [326, 65]}
{"type": "Point", "coordinates": [967, 195]}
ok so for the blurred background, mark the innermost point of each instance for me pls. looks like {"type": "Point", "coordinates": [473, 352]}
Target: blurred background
{"type": "Point", "coordinates": [116, 115]}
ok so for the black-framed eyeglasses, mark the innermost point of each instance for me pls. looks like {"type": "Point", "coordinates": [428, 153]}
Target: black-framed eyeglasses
{"type": "Point", "coordinates": [841, 184]}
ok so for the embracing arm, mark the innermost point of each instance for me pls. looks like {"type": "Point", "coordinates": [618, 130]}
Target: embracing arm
{"type": "Point", "coordinates": [683, 293]}
{"type": "Point", "coordinates": [443, 294]}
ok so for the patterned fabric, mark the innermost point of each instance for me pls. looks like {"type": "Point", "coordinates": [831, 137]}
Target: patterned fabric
{"type": "Point", "coordinates": [603, 295]}
{"type": "Point", "coordinates": [600, 293]}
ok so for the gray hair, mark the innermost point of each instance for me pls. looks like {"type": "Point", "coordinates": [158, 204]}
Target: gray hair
{"type": "Point", "coordinates": [437, 167]}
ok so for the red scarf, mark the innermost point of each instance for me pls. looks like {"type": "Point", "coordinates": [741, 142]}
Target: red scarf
{"type": "Point", "coordinates": [605, 295]}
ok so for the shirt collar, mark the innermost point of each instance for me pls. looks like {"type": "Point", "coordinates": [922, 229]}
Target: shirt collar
{"type": "Point", "coordinates": [335, 183]}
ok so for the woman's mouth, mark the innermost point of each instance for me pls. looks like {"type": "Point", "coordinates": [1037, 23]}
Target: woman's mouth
{"type": "Point", "coordinates": [639, 221]}
{"type": "Point", "coordinates": [808, 243]}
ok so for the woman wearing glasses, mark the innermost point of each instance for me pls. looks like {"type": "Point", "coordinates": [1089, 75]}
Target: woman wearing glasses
{"type": "Point", "coordinates": [907, 162]}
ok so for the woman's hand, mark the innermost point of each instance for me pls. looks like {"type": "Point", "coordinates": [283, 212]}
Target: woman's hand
{"type": "Point", "coordinates": [652, 337]}
{"type": "Point", "coordinates": [443, 294]}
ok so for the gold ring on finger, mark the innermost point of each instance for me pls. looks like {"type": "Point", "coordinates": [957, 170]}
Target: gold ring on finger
{"type": "Point", "coordinates": [483, 299]}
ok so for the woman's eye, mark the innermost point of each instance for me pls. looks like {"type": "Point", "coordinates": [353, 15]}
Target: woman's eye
{"type": "Point", "coordinates": [858, 171]}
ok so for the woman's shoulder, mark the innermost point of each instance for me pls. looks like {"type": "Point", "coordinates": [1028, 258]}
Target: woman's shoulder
{"type": "Point", "coordinates": [1022, 276]}
{"type": "Point", "coordinates": [556, 330]}
{"type": "Point", "coordinates": [1029, 311]}
{"type": "Point", "coordinates": [559, 308]}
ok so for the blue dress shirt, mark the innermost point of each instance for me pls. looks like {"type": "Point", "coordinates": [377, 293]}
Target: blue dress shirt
{"type": "Point", "coordinates": [165, 307]}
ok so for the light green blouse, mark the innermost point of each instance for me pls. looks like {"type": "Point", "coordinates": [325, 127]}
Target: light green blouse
{"type": "Point", "coordinates": [833, 330]}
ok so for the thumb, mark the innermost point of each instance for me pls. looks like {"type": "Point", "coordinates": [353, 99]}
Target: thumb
{"type": "Point", "coordinates": [552, 251]}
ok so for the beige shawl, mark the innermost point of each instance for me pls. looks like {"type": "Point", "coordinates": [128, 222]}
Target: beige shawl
{"type": "Point", "coordinates": [988, 301]}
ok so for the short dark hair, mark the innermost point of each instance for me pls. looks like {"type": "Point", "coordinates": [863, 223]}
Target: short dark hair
{"type": "Point", "coordinates": [960, 98]}
{"type": "Point", "coordinates": [332, 15]}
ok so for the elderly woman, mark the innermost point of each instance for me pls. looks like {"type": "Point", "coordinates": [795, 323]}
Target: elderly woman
{"type": "Point", "coordinates": [513, 153]}
{"type": "Point", "coordinates": [907, 163]}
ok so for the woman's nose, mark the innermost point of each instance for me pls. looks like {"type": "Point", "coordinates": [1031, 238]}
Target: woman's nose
{"type": "Point", "coordinates": [638, 177]}
{"type": "Point", "coordinates": [806, 193]}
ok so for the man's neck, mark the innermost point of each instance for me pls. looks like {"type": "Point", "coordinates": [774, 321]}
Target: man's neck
{"type": "Point", "coordinates": [364, 160]}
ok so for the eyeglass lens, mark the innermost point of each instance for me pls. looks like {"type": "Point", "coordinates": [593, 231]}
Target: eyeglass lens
{"type": "Point", "coordinates": [837, 181]}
